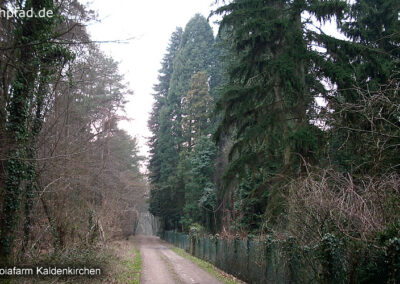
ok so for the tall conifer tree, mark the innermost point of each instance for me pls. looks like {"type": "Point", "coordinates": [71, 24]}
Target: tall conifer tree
{"type": "Point", "coordinates": [269, 96]}
{"type": "Point", "coordinates": [194, 55]}
{"type": "Point", "coordinates": [159, 125]}
{"type": "Point", "coordinates": [363, 67]}
{"type": "Point", "coordinates": [160, 101]}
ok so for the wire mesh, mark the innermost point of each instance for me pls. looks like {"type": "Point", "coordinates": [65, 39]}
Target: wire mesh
{"type": "Point", "coordinates": [254, 261]}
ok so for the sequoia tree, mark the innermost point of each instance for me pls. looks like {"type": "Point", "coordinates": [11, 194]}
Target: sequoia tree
{"type": "Point", "coordinates": [160, 142]}
{"type": "Point", "coordinates": [193, 55]}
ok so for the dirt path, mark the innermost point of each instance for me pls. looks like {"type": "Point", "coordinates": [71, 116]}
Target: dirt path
{"type": "Point", "coordinates": [162, 265]}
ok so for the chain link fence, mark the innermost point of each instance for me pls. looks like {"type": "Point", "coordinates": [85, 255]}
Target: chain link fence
{"type": "Point", "coordinates": [254, 261]}
{"type": "Point", "coordinates": [269, 260]}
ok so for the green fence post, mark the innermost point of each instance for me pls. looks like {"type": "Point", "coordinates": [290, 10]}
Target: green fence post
{"type": "Point", "coordinates": [216, 251]}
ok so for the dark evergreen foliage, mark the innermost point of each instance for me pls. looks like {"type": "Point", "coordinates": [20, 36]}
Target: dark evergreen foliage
{"type": "Point", "coordinates": [173, 120]}
{"type": "Point", "coordinates": [313, 176]}
{"type": "Point", "coordinates": [364, 70]}
{"type": "Point", "coordinates": [269, 98]}
{"type": "Point", "coordinates": [160, 143]}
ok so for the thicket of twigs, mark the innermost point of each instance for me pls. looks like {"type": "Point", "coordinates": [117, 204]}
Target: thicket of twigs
{"type": "Point", "coordinates": [69, 177]}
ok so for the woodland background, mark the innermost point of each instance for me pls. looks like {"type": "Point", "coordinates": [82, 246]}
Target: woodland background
{"type": "Point", "coordinates": [69, 176]}
{"type": "Point", "coordinates": [271, 129]}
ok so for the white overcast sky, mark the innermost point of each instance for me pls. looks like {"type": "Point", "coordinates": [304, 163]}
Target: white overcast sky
{"type": "Point", "coordinates": [151, 23]}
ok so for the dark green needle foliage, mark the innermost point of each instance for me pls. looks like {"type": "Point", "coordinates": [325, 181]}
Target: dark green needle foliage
{"type": "Point", "coordinates": [156, 123]}
{"type": "Point", "coordinates": [306, 126]}
{"type": "Point", "coordinates": [160, 143]}
{"type": "Point", "coordinates": [190, 52]}
{"type": "Point", "coordinates": [270, 95]}
{"type": "Point", "coordinates": [365, 69]}
{"type": "Point", "coordinates": [194, 55]}
{"type": "Point", "coordinates": [200, 195]}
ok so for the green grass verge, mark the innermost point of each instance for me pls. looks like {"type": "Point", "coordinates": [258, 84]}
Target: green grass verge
{"type": "Point", "coordinates": [217, 273]}
{"type": "Point", "coordinates": [132, 269]}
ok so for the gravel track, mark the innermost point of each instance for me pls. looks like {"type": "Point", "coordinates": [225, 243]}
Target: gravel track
{"type": "Point", "coordinates": [163, 266]}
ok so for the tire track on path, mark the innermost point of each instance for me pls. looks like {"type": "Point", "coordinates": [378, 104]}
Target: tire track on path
{"type": "Point", "coordinates": [163, 266]}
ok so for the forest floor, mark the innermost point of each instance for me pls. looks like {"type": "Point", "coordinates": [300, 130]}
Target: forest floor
{"type": "Point", "coordinates": [162, 263]}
